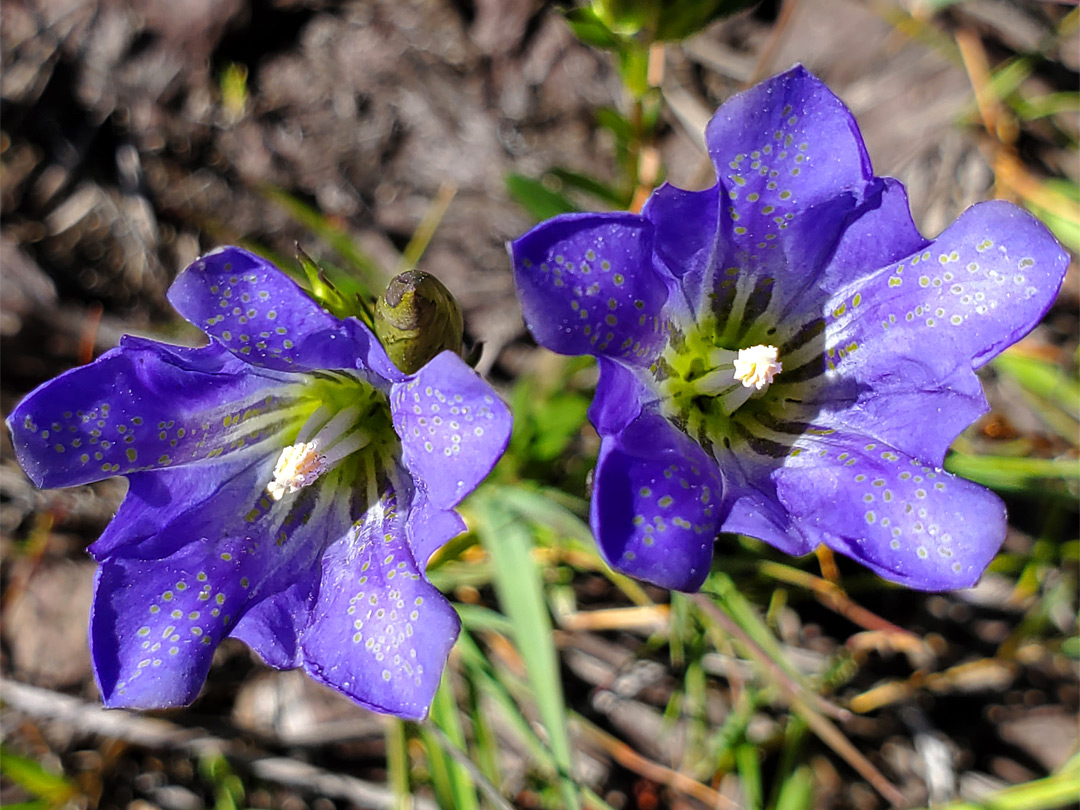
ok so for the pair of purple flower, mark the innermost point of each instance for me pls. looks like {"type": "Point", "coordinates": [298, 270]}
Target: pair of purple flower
{"type": "Point", "coordinates": [782, 355]}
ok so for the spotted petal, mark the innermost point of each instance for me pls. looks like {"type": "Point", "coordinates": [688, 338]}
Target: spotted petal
{"type": "Point", "coordinates": [379, 633]}
{"type": "Point", "coordinates": [792, 170]}
{"type": "Point", "coordinates": [980, 286]}
{"type": "Point", "coordinates": [156, 623]}
{"type": "Point", "coordinates": [228, 553]}
{"type": "Point", "coordinates": [587, 286]}
{"type": "Point", "coordinates": [453, 428]}
{"type": "Point", "coordinates": [264, 318]}
{"type": "Point", "coordinates": [144, 406]}
{"type": "Point", "coordinates": [655, 508]}
{"type": "Point", "coordinates": [912, 523]}
{"type": "Point", "coordinates": [788, 143]}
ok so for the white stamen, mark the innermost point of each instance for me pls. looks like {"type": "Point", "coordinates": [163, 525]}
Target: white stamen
{"type": "Point", "coordinates": [300, 464]}
{"type": "Point", "coordinates": [757, 366]}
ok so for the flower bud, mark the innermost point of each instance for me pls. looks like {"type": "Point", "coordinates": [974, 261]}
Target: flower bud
{"type": "Point", "coordinates": [416, 318]}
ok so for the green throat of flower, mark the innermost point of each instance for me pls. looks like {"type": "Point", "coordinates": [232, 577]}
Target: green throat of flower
{"type": "Point", "coordinates": [349, 423]}
{"type": "Point", "coordinates": [702, 385]}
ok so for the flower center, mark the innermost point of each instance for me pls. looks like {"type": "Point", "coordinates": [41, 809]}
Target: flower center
{"type": "Point", "coordinates": [757, 366]}
{"type": "Point", "coordinates": [323, 442]}
{"type": "Point", "coordinates": [727, 377]}
{"type": "Point", "coordinates": [342, 415]}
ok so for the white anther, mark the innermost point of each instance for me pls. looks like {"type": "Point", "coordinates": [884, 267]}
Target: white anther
{"type": "Point", "coordinates": [298, 465]}
{"type": "Point", "coordinates": [756, 366]}
{"type": "Point", "coordinates": [322, 443]}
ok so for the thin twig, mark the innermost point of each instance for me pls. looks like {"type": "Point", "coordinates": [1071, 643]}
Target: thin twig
{"type": "Point", "coordinates": [152, 732]}
{"type": "Point", "coordinates": [643, 766]}
{"type": "Point", "coordinates": [824, 728]}
{"type": "Point", "coordinates": [776, 37]}
{"type": "Point", "coordinates": [489, 790]}
{"type": "Point", "coordinates": [833, 597]}
{"type": "Point", "coordinates": [782, 678]}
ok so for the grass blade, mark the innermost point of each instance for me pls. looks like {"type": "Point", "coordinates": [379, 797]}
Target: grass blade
{"type": "Point", "coordinates": [447, 733]}
{"type": "Point", "coordinates": [520, 592]}
{"type": "Point", "coordinates": [1011, 474]}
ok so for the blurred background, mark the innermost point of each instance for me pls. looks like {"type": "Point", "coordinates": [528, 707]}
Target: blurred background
{"type": "Point", "coordinates": [136, 135]}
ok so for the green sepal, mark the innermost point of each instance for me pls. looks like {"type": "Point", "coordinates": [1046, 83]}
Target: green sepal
{"type": "Point", "coordinates": [621, 25]}
{"type": "Point", "coordinates": [593, 31]}
{"type": "Point", "coordinates": [329, 297]}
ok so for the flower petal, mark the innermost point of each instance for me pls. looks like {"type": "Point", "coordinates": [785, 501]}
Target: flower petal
{"type": "Point", "coordinates": [379, 632]}
{"type": "Point", "coordinates": [785, 144]}
{"type": "Point", "coordinates": [756, 512]}
{"type": "Point", "coordinates": [920, 423]}
{"type": "Point", "coordinates": [912, 523]}
{"type": "Point", "coordinates": [587, 286]}
{"type": "Point", "coordinates": [686, 228]}
{"type": "Point", "coordinates": [655, 508]}
{"type": "Point", "coordinates": [453, 428]}
{"type": "Point", "coordinates": [429, 528]}
{"type": "Point", "coordinates": [980, 286]}
{"type": "Point", "coordinates": [793, 170]}
{"type": "Point", "coordinates": [158, 498]}
{"type": "Point", "coordinates": [620, 396]}
{"type": "Point", "coordinates": [156, 623]}
{"type": "Point", "coordinates": [143, 406]}
{"type": "Point", "coordinates": [262, 316]}
{"type": "Point", "coordinates": [881, 232]}
{"type": "Point", "coordinates": [238, 543]}
{"type": "Point", "coordinates": [272, 627]}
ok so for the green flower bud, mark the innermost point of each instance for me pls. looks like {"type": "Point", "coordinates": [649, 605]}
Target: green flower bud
{"type": "Point", "coordinates": [416, 318]}
{"type": "Point", "coordinates": [610, 23]}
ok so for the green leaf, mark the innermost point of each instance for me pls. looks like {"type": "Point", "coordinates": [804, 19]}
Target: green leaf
{"type": "Point", "coordinates": [797, 791]}
{"type": "Point", "coordinates": [1043, 379]}
{"type": "Point", "coordinates": [558, 423]}
{"type": "Point", "coordinates": [1066, 228]}
{"type": "Point", "coordinates": [591, 30]}
{"type": "Point", "coordinates": [1055, 791]}
{"type": "Point", "coordinates": [397, 763]}
{"type": "Point", "coordinates": [1010, 474]}
{"type": "Point", "coordinates": [748, 763]}
{"type": "Point", "coordinates": [536, 198]}
{"type": "Point", "coordinates": [590, 185]}
{"type": "Point", "coordinates": [323, 290]}
{"type": "Point", "coordinates": [32, 776]}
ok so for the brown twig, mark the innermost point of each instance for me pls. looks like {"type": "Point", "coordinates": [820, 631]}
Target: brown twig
{"type": "Point", "coordinates": [156, 733]}
{"type": "Point", "coordinates": [824, 728]}
{"type": "Point", "coordinates": [785, 681]}
{"type": "Point", "coordinates": [833, 597]}
{"type": "Point", "coordinates": [776, 38]}
{"type": "Point", "coordinates": [632, 760]}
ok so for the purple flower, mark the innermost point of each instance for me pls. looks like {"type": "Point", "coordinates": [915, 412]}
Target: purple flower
{"type": "Point", "coordinates": [287, 486]}
{"type": "Point", "coordinates": [783, 355]}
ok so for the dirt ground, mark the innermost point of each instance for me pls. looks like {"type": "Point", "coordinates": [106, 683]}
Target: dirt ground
{"type": "Point", "coordinates": [123, 156]}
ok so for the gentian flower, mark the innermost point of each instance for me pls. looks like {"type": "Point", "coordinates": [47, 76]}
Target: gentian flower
{"type": "Point", "coordinates": [783, 355]}
{"type": "Point", "coordinates": [287, 486]}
